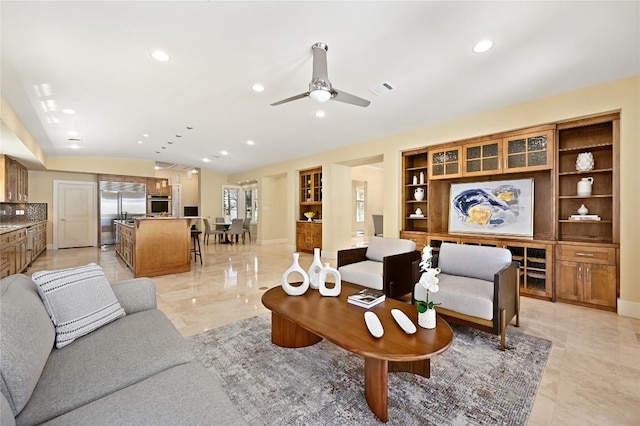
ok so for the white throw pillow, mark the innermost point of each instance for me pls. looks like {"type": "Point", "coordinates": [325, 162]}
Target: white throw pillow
{"type": "Point", "coordinates": [78, 300]}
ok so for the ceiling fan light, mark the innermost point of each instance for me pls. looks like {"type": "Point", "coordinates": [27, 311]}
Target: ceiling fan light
{"type": "Point", "coordinates": [320, 95]}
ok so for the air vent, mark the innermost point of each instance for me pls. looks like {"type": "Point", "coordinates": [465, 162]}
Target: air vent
{"type": "Point", "coordinates": [74, 140]}
{"type": "Point", "coordinates": [382, 88]}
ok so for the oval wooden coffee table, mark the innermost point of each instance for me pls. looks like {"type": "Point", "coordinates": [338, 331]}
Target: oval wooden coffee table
{"type": "Point", "coordinates": [298, 321]}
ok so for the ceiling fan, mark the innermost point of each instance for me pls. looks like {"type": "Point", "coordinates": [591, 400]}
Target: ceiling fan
{"type": "Point", "coordinates": [320, 89]}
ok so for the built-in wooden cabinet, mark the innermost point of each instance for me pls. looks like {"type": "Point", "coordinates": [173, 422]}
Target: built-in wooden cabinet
{"type": "Point", "coordinates": [546, 154]}
{"type": "Point", "coordinates": [158, 186]}
{"type": "Point", "coordinates": [14, 179]}
{"type": "Point", "coordinates": [309, 233]}
{"type": "Point", "coordinates": [39, 239]}
{"type": "Point", "coordinates": [125, 243]}
{"type": "Point", "coordinates": [445, 163]}
{"type": "Point", "coordinates": [13, 252]}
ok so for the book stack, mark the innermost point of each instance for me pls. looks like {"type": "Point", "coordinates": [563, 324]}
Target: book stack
{"type": "Point", "coordinates": [366, 298]}
{"type": "Point", "coordinates": [584, 217]}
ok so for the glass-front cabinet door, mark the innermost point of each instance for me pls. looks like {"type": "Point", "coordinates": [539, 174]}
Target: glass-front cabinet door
{"type": "Point", "coordinates": [482, 158]}
{"type": "Point", "coordinates": [446, 163]}
{"type": "Point", "coordinates": [530, 151]}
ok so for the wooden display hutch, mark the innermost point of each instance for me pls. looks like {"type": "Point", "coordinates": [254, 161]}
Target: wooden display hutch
{"type": "Point", "coordinates": [568, 260]}
{"type": "Point", "coordinates": [309, 233]}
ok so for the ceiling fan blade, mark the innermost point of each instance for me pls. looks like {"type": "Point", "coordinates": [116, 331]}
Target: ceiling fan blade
{"type": "Point", "coordinates": [348, 98]}
{"type": "Point", "coordinates": [293, 98]}
{"type": "Point", "coordinates": [320, 62]}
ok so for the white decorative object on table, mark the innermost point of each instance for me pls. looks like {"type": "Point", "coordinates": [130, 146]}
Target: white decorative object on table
{"type": "Point", "coordinates": [429, 280]}
{"type": "Point", "coordinates": [418, 194]}
{"type": "Point", "coordinates": [373, 324]}
{"type": "Point", "coordinates": [421, 178]}
{"type": "Point", "coordinates": [584, 162]}
{"type": "Point", "coordinates": [331, 292]}
{"type": "Point", "coordinates": [292, 290]}
{"type": "Point", "coordinates": [419, 211]}
{"type": "Point", "coordinates": [583, 210]}
{"type": "Point", "coordinates": [314, 270]}
{"type": "Point", "coordinates": [584, 187]}
{"type": "Point", "coordinates": [403, 321]}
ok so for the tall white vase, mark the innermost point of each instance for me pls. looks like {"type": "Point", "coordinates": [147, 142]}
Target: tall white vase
{"type": "Point", "coordinates": [335, 291]}
{"type": "Point", "coordinates": [292, 290]}
{"type": "Point", "coordinates": [314, 269]}
{"type": "Point", "coordinates": [427, 319]}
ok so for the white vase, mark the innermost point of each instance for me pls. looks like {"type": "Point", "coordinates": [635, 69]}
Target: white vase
{"type": "Point", "coordinates": [583, 210]}
{"type": "Point", "coordinates": [418, 194]}
{"type": "Point", "coordinates": [415, 180]}
{"type": "Point", "coordinates": [584, 162]}
{"type": "Point", "coordinates": [421, 178]}
{"type": "Point", "coordinates": [292, 290]}
{"type": "Point", "coordinates": [331, 292]}
{"type": "Point", "coordinates": [314, 270]}
{"type": "Point", "coordinates": [584, 187]}
{"type": "Point", "coordinates": [427, 319]}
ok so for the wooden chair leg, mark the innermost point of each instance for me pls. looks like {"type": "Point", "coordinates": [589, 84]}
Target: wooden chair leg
{"type": "Point", "coordinates": [503, 327]}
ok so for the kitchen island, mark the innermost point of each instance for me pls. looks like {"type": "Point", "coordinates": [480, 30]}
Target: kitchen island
{"type": "Point", "coordinates": [156, 245]}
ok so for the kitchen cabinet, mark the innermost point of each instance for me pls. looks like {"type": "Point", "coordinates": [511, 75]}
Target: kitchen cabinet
{"type": "Point", "coordinates": [158, 186]}
{"type": "Point", "coordinates": [308, 236]}
{"type": "Point", "coordinates": [125, 245]}
{"type": "Point", "coordinates": [13, 255]}
{"type": "Point", "coordinates": [587, 275]}
{"type": "Point", "coordinates": [39, 239]}
{"type": "Point", "coordinates": [14, 180]}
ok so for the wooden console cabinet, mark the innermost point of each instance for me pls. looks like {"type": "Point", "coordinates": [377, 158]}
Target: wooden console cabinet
{"type": "Point", "coordinates": [569, 260]}
{"type": "Point", "coordinates": [309, 234]}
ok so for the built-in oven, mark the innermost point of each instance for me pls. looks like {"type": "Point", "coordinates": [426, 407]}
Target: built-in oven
{"type": "Point", "coordinates": [159, 204]}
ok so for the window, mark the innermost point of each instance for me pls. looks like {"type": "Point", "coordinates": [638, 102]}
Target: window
{"type": "Point", "coordinates": [251, 203]}
{"type": "Point", "coordinates": [230, 197]}
{"type": "Point", "coordinates": [240, 202]}
{"type": "Point", "coordinates": [360, 213]}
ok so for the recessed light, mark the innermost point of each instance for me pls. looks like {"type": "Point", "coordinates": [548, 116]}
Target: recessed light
{"type": "Point", "coordinates": [178, 136]}
{"type": "Point", "coordinates": [320, 114]}
{"type": "Point", "coordinates": [157, 167]}
{"type": "Point", "coordinates": [139, 141]}
{"type": "Point", "coordinates": [250, 142]}
{"type": "Point", "coordinates": [224, 153]}
{"type": "Point", "coordinates": [160, 56]}
{"type": "Point", "coordinates": [157, 152]}
{"type": "Point", "coordinates": [206, 160]}
{"type": "Point", "coordinates": [189, 128]}
{"type": "Point", "coordinates": [72, 133]}
{"type": "Point", "coordinates": [69, 111]}
{"type": "Point", "coordinates": [257, 87]}
{"type": "Point", "coordinates": [74, 146]}
{"type": "Point", "coordinates": [482, 46]}
{"type": "Point", "coordinates": [146, 135]}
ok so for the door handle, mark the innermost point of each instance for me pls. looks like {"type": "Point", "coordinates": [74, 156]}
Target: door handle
{"type": "Point", "coordinates": [588, 274]}
{"type": "Point", "coordinates": [584, 254]}
{"type": "Point", "coordinates": [579, 273]}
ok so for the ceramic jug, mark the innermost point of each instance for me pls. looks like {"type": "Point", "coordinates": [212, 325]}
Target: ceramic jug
{"type": "Point", "coordinates": [584, 186]}
{"type": "Point", "coordinates": [418, 194]}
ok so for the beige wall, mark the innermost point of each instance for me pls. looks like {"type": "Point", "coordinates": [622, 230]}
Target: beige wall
{"type": "Point", "coordinates": [623, 95]}
{"type": "Point", "coordinates": [210, 193]}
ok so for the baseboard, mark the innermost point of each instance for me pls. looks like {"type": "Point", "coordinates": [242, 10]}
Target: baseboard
{"type": "Point", "coordinates": [627, 308]}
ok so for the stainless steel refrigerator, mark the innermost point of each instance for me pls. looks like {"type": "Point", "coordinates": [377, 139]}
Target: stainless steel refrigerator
{"type": "Point", "coordinates": [120, 200]}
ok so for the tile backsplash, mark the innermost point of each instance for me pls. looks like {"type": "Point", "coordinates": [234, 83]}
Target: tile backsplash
{"type": "Point", "coordinates": [22, 212]}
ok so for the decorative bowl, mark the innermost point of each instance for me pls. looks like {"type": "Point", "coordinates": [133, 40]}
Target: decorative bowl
{"type": "Point", "coordinates": [309, 215]}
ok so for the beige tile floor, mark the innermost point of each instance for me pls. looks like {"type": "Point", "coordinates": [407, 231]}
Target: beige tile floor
{"type": "Point", "coordinates": [592, 376]}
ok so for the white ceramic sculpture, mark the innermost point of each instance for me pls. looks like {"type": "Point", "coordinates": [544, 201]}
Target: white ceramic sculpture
{"type": "Point", "coordinates": [331, 292]}
{"type": "Point", "coordinates": [314, 270]}
{"type": "Point", "coordinates": [292, 290]}
{"type": "Point", "coordinates": [584, 162]}
{"type": "Point", "coordinates": [418, 194]}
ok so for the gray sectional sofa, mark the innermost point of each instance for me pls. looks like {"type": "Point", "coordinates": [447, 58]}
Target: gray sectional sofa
{"type": "Point", "coordinates": [136, 370]}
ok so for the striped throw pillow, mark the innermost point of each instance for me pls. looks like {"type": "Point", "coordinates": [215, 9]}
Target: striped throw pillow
{"type": "Point", "coordinates": [78, 300]}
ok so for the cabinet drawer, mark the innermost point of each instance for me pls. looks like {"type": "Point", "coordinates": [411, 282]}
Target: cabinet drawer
{"type": "Point", "coordinates": [605, 255]}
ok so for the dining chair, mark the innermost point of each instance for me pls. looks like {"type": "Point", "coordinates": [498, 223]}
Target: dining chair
{"type": "Point", "coordinates": [235, 229]}
{"type": "Point", "coordinates": [217, 233]}
{"type": "Point", "coordinates": [246, 228]}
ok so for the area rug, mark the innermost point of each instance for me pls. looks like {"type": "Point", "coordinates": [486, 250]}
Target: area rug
{"type": "Point", "coordinates": [473, 382]}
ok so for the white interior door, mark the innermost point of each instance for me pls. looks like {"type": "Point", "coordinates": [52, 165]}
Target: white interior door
{"type": "Point", "coordinates": [74, 214]}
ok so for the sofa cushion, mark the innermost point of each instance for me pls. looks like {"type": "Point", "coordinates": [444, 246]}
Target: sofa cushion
{"type": "Point", "coordinates": [380, 247]}
{"type": "Point", "coordinates": [26, 339]}
{"type": "Point", "coordinates": [472, 261]}
{"type": "Point", "coordinates": [366, 273]}
{"type": "Point", "coordinates": [79, 300]}
{"type": "Point", "coordinates": [183, 395]}
{"type": "Point", "coordinates": [111, 358]}
{"type": "Point", "coordinates": [469, 296]}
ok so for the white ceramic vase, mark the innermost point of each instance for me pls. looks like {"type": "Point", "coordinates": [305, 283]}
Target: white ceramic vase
{"type": "Point", "coordinates": [584, 187]}
{"type": "Point", "coordinates": [314, 270]}
{"type": "Point", "coordinates": [290, 289]}
{"type": "Point", "coordinates": [421, 178]}
{"type": "Point", "coordinates": [427, 319]}
{"type": "Point", "coordinates": [418, 194]}
{"type": "Point", "coordinates": [331, 292]}
{"type": "Point", "coordinates": [584, 162]}
{"type": "Point", "coordinates": [583, 210]}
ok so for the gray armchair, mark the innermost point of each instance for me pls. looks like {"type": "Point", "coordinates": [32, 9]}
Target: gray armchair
{"type": "Point", "coordinates": [385, 265]}
{"type": "Point", "coordinates": [478, 287]}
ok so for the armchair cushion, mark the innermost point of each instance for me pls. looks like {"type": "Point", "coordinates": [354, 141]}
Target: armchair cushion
{"type": "Point", "coordinates": [469, 296]}
{"type": "Point", "coordinates": [367, 271]}
{"type": "Point", "coordinates": [380, 247]}
{"type": "Point", "coordinates": [469, 261]}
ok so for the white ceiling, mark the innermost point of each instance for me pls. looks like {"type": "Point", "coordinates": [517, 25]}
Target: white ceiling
{"type": "Point", "coordinates": [94, 58]}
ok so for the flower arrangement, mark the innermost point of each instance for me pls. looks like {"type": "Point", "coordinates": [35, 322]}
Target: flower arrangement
{"type": "Point", "coordinates": [429, 279]}
{"type": "Point", "coordinates": [309, 215]}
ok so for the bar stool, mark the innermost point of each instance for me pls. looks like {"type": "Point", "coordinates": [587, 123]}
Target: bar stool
{"type": "Point", "coordinates": [195, 236]}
